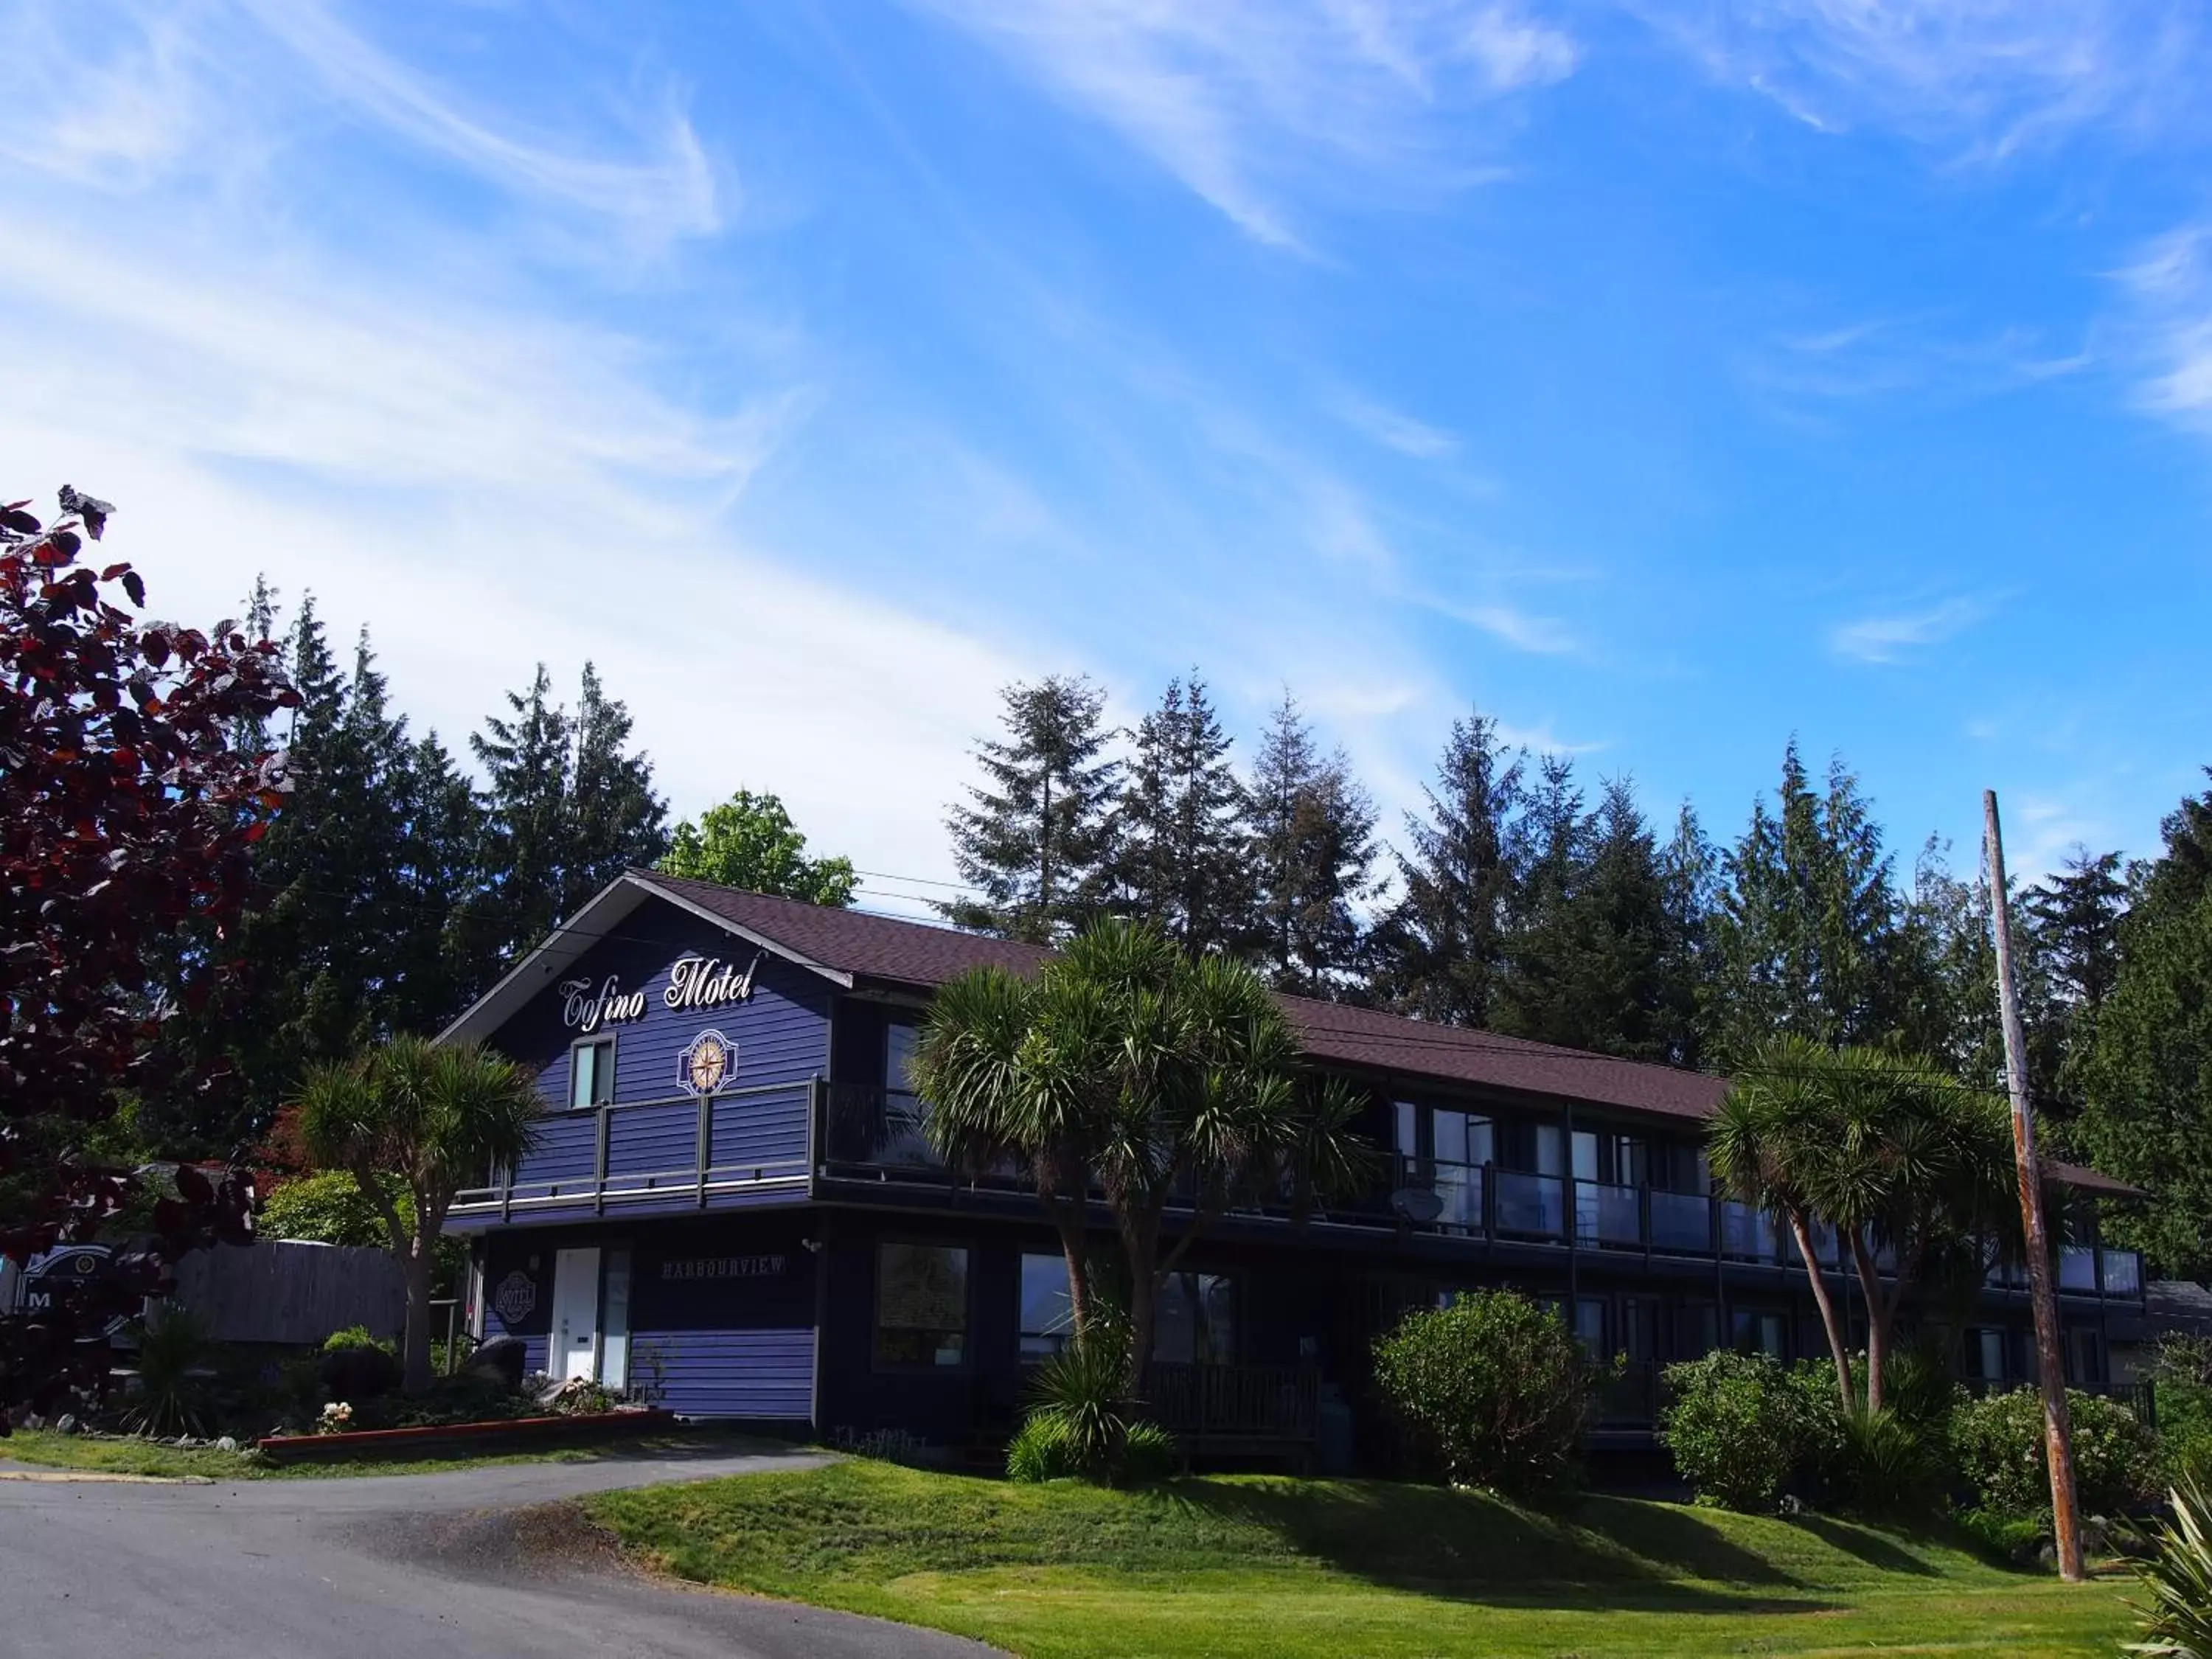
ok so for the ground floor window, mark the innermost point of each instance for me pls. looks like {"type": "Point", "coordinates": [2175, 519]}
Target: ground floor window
{"type": "Point", "coordinates": [922, 1306]}
{"type": "Point", "coordinates": [614, 1321]}
{"type": "Point", "coordinates": [1048, 1310]}
{"type": "Point", "coordinates": [1752, 1332]}
{"type": "Point", "coordinates": [1194, 1320]}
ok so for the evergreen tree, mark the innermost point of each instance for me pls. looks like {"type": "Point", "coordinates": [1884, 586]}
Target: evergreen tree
{"type": "Point", "coordinates": [346, 938]}
{"type": "Point", "coordinates": [570, 809]}
{"type": "Point", "coordinates": [1689, 883]}
{"type": "Point", "coordinates": [2077, 916]}
{"type": "Point", "coordinates": [615, 821]}
{"type": "Point", "coordinates": [2147, 1070]}
{"type": "Point", "coordinates": [1442, 951]}
{"type": "Point", "coordinates": [1806, 934]}
{"type": "Point", "coordinates": [526, 758]}
{"type": "Point", "coordinates": [1179, 834]}
{"type": "Point", "coordinates": [1592, 961]}
{"type": "Point", "coordinates": [1030, 838]}
{"type": "Point", "coordinates": [1312, 856]}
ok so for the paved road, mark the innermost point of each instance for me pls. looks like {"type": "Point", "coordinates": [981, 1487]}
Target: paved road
{"type": "Point", "coordinates": [431, 1566]}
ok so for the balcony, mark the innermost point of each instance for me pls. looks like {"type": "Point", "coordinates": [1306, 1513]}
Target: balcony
{"type": "Point", "coordinates": [683, 1152]}
{"type": "Point", "coordinates": [1221, 1408]}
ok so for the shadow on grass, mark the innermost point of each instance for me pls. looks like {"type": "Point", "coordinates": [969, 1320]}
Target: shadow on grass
{"type": "Point", "coordinates": [1468, 1546]}
{"type": "Point", "coordinates": [1869, 1547]}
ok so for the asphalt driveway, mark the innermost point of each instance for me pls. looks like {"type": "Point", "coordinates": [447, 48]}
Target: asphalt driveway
{"type": "Point", "coordinates": [458, 1565]}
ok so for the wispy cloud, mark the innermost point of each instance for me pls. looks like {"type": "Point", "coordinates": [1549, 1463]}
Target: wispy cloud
{"type": "Point", "coordinates": [2170, 288]}
{"type": "Point", "coordinates": [1245, 101]}
{"type": "Point", "coordinates": [184, 86]}
{"type": "Point", "coordinates": [1893, 637]}
{"type": "Point", "coordinates": [1927, 356]}
{"type": "Point", "coordinates": [1523, 630]}
{"type": "Point", "coordinates": [1983, 79]}
{"type": "Point", "coordinates": [1395, 430]}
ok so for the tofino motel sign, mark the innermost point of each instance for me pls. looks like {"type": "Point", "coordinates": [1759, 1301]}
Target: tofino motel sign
{"type": "Point", "coordinates": [693, 983]}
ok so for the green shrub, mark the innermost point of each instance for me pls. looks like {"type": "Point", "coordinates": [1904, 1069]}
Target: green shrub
{"type": "Point", "coordinates": [357, 1336]}
{"type": "Point", "coordinates": [1047, 1448]}
{"type": "Point", "coordinates": [1997, 1441]}
{"type": "Point", "coordinates": [1493, 1390]}
{"type": "Point", "coordinates": [2177, 1622]}
{"type": "Point", "coordinates": [2012, 1538]}
{"type": "Point", "coordinates": [1741, 1429]}
{"type": "Point", "coordinates": [355, 1366]}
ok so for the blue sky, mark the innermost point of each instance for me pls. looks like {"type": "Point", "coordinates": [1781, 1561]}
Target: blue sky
{"type": "Point", "coordinates": [1662, 380]}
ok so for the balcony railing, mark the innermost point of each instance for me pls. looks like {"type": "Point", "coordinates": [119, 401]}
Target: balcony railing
{"type": "Point", "coordinates": [662, 1153]}
{"type": "Point", "coordinates": [1210, 1406]}
{"type": "Point", "coordinates": [878, 1134]}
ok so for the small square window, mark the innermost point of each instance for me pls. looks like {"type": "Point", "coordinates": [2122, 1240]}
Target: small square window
{"type": "Point", "coordinates": [591, 1074]}
{"type": "Point", "coordinates": [922, 1307]}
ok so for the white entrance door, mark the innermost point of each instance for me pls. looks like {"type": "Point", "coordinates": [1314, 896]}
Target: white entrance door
{"type": "Point", "coordinates": [575, 1339]}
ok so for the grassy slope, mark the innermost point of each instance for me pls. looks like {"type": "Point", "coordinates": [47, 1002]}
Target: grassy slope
{"type": "Point", "coordinates": [121, 1454]}
{"type": "Point", "coordinates": [1277, 1568]}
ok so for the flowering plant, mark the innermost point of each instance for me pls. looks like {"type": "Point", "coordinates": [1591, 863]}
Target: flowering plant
{"type": "Point", "coordinates": [337, 1419]}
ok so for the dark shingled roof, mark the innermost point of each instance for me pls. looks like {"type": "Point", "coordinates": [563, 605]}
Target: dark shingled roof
{"type": "Point", "coordinates": [918, 955]}
{"type": "Point", "coordinates": [913, 953]}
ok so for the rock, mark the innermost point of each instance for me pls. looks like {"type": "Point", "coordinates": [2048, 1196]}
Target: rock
{"type": "Point", "coordinates": [30, 1420]}
{"type": "Point", "coordinates": [1793, 1505]}
{"type": "Point", "coordinates": [2046, 1553]}
{"type": "Point", "coordinates": [66, 1424]}
{"type": "Point", "coordinates": [225, 1444]}
{"type": "Point", "coordinates": [501, 1361]}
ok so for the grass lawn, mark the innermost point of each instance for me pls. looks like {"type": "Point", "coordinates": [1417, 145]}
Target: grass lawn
{"type": "Point", "coordinates": [121, 1454]}
{"type": "Point", "coordinates": [1275, 1569]}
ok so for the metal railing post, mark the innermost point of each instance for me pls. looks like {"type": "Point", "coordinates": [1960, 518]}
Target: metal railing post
{"type": "Point", "coordinates": [599, 1163]}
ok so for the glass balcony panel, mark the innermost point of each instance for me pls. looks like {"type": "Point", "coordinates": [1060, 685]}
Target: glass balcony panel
{"type": "Point", "coordinates": [1459, 1187]}
{"type": "Point", "coordinates": [1607, 1216]}
{"type": "Point", "coordinates": [1746, 1232]}
{"type": "Point", "coordinates": [1682, 1221]}
{"type": "Point", "coordinates": [1530, 1206]}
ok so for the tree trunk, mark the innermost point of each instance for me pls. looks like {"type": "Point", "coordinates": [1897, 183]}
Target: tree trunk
{"type": "Point", "coordinates": [1879, 1313]}
{"type": "Point", "coordinates": [415, 1354]}
{"type": "Point", "coordinates": [1839, 1348]}
{"type": "Point", "coordinates": [1074, 1246]}
{"type": "Point", "coordinates": [1140, 1242]}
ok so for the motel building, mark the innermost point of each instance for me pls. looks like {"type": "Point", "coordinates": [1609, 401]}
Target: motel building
{"type": "Point", "coordinates": [731, 1206]}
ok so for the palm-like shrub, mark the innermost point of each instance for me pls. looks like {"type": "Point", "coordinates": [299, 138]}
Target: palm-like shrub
{"type": "Point", "coordinates": [2176, 1622]}
{"type": "Point", "coordinates": [1080, 1421]}
{"type": "Point", "coordinates": [1494, 1390]}
{"type": "Point", "coordinates": [173, 1351]}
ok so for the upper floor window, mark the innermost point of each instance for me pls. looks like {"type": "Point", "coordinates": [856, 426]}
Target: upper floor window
{"type": "Point", "coordinates": [592, 1074]}
{"type": "Point", "coordinates": [899, 1042]}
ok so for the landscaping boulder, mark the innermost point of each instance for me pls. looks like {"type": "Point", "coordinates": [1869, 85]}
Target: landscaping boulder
{"type": "Point", "coordinates": [500, 1360]}
{"type": "Point", "coordinates": [65, 1424]}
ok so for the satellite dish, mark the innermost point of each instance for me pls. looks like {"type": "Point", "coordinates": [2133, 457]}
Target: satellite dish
{"type": "Point", "coordinates": [1416, 1204]}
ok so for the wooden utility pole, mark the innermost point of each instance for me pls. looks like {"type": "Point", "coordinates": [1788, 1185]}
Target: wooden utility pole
{"type": "Point", "coordinates": [2050, 1358]}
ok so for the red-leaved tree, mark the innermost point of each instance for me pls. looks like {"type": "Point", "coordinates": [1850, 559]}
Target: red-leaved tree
{"type": "Point", "coordinates": [128, 806]}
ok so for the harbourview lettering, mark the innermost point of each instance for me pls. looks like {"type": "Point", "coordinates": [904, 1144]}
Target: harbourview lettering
{"type": "Point", "coordinates": [585, 1010]}
{"type": "Point", "coordinates": [708, 982]}
{"type": "Point", "coordinates": [724, 1267]}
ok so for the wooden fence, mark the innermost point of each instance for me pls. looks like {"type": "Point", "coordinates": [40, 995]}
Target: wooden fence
{"type": "Point", "coordinates": [291, 1292]}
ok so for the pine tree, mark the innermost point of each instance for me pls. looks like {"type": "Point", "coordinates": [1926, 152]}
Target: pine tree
{"type": "Point", "coordinates": [1689, 881]}
{"type": "Point", "coordinates": [1806, 934]}
{"type": "Point", "coordinates": [570, 811]}
{"type": "Point", "coordinates": [1029, 839]}
{"type": "Point", "coordinates": [1180, 830]}
{"type": "Point", "coordinates": [1442, 951]}
{"type": "Point", "coordinates": [616, 822]}
{"type": "Point", "coordinates": [1313, 854]}
{"type": "Point", "coordinates": [2077, 915]}
{"type": "Point", "coordinates": [2146, 1069]}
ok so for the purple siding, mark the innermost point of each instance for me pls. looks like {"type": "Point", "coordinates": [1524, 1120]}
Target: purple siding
{"type": "Point", "coordinates": [759, 1131]}
{"type": "Point", "coordinates": [752, 1374]}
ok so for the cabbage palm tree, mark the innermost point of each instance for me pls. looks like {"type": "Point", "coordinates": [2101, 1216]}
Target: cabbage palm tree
{"type": "Point", "coordinates": [434, 1117]}
{"type": "Point", "coordinates": [1158, 1079]}
{"type": "Point", "coordinates": [1901, 1160]}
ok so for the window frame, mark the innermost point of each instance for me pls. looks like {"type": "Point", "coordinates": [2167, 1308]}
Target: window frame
{"type": "Point", "coordinates": [877, 1362]}
{"type": "Point", "coordinates": [608, 1041]}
